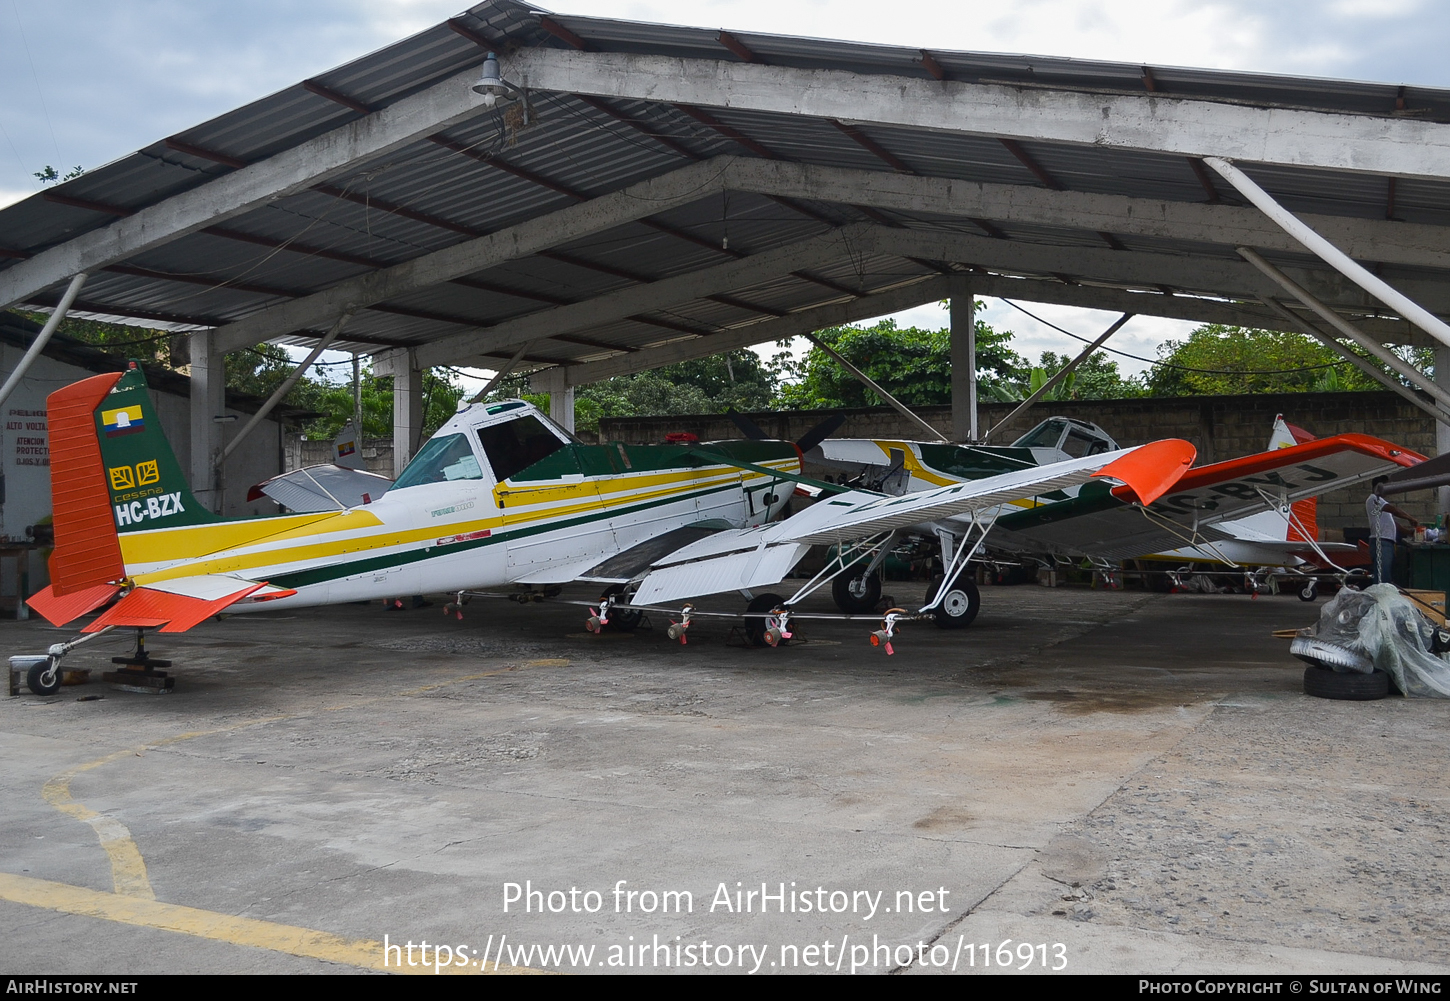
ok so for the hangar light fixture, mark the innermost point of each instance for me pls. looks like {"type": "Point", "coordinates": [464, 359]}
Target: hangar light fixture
{"type": "Point", "coordinates": [491, 85]}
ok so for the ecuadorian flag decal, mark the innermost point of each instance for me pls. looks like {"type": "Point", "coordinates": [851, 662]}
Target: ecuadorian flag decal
{"type": "Point", "coordinates": [122, 421]}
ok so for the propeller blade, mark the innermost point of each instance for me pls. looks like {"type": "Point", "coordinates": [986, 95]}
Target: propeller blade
{"type": "Point", "coordinates": [820, 432]}
{"type": "Point", "coordinates": [747, 426]}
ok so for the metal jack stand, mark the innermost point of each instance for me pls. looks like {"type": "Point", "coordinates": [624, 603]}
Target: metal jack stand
{"type": "Point", "coordinates": [139, 671]}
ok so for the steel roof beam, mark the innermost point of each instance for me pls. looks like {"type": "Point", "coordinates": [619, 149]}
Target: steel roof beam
{"type": "Point", "coordinates": [646, 298]}
{"type": "Point", "coordinates": [309, 163]}
{"type": "Point", "coordinates": [1234, 278]}
{"type": "Point", "coordinates": [1158, 123]}
{"type": "Point", "coordinates": [885, 301]}
{"type": "Point", "coordinates": [532, 236]}
{"type": "Point", "coordinates": [1230, 225]}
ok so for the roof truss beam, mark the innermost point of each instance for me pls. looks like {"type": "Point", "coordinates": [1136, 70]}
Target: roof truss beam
{"type": "Point", "coordinates": [439, 106]}
{"type": "Point", "coordinates": [530, 237]}
{"type": "Point", "coordinates": [1150, 122]}
{"type": "Point", "coordinates": [805, 321]}
{"type": "Point", "coordinates": [656, 295]}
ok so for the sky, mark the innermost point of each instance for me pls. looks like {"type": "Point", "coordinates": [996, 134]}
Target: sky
{"type": "Point", "coordinates": [87, 81]}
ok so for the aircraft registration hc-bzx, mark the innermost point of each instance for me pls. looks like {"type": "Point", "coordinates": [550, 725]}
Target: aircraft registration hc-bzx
{"type": "Point", "coordinates": [500, 497]}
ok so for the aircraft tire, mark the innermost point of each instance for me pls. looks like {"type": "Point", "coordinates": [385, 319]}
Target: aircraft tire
{"type": "Point", "coordinates": [34, 680]}
{"type": "Point", "coordinates": [621, 620]}
{"type": "Point", "coordinates": [960, 606]}
{"type": "Point", "coordinates": [755, 618]}
{"type": "Point", "coordinates": [1322, 683]}
{"type": "Point", "coordinates": [858, 594]}
{"type": "Point", "coordinates": [1309, 591]}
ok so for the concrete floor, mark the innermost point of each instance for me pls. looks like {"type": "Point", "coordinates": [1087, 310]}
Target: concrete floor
{"type": "Point", "coordinates": [1122, 782]}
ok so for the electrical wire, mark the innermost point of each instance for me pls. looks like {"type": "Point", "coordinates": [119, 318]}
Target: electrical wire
{"type": "Point", "coordinates": [1180, 368]}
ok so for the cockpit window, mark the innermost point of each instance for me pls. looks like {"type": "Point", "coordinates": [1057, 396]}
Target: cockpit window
{"type": "Point", "coordinates": [446, 457]}
{"type": "Point", "coordinates": [516, 445]}
{"type": "Point", "coordinates": [1044, 435]}
{"type": "Point", "coordinates": [1079, 444]}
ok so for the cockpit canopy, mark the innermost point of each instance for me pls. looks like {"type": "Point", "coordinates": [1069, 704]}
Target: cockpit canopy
{"type": "Point", "coordinates": [1068, 435]}
{"type": "Point", "coordinates": [508, 437]}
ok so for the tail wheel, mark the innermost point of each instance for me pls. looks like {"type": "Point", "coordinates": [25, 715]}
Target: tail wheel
{"type": "Point", "coordinates": [960, 604]}
{"type": "Point", "coordinates": [36, 679]}
{"type": "Point", "coordinates": [758, 619]}
{"type": "Point", "coordinates": [858, 594]}
{"type": "Point", "coordinates": [1309, 591]}
{"type": "Point", "coordinates": [625, 620]}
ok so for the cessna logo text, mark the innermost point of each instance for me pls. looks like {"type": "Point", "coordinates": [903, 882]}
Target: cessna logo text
{"type": "Point", "coordinates": [155, 507]}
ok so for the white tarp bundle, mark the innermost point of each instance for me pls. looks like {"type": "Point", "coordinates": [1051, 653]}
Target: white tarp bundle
{"type": "Point", "coordinates": [1385, 626]}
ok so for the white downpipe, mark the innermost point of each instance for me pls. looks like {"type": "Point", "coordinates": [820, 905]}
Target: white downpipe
{"type": "Point", "coordinates": [1330, 254]}
{"type": "Point", "coordinates": [286, 387]}
{"type": "Point", "coordinates": [1416, 378]}
{"type": "Point", "coordinates": [42, 338]}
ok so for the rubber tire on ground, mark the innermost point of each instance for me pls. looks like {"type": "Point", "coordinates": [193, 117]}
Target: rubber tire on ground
{"type": "Point", "coordinates": [755, 615]}
{"type": "Point", "coordinates": [960, 606]}
{"type": "Point", "coordinates": [846, 598]}
{"type": "Point", "coordinates": [621, 619]}
{"type": "Point", "coordinates": [1309, 591]}
{"type": "Point", "coordinates": [1323, 683]}
{"type": "Point", "coordinates": [33, 682]}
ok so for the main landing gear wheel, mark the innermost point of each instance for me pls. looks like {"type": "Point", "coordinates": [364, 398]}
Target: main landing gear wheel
{"type": "Point", "coordinates": [856, 595]}
{"type": "Point", "coordinates": [1309, 591]}
{"type": "Point", "coordinates": [757, 619]}
{"type": "Point", "coordinates": [625, 620]}
{"type": "Point", "coordinates": [961, 603]}
{"type": "Point", "coordinates": [35, 679]}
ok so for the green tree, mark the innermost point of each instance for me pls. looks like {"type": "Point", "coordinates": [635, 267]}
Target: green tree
{"type": "Point", "coordinates": [441, 393]}
{"type": "Point", "coordinates": [912, 364]}
{"type": "Point", "coordinates": [1218, 360]}
{"type": "Point", "coordinates": [1097, 378]}
{"type": "Point", "coordinates": [738, 379]}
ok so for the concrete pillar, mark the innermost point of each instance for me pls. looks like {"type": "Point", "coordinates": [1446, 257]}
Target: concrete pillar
{"type": "Point", "coordinates": [1442, 430]}
{"type": "Point", "coordinates": [561, 395]}
{"type": "Point", "coordinates": [401, 365]}
{"type": "Point", "coordinates": [208, 401]}
{"type": "Point", "coordinates": [964, 364]}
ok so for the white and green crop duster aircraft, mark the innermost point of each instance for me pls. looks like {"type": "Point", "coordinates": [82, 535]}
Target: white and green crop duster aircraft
{"type": "Point", "coordinates": [500, 497]}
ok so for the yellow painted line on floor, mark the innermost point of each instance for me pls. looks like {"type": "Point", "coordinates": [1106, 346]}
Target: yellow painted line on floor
{"type": "Point", "coordinates": [128, 868]}
{"type": "Point", "coordinates": [148, 913]}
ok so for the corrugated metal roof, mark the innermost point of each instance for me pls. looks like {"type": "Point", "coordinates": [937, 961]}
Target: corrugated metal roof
{"type": "Point", "coordinates": [494, 171]}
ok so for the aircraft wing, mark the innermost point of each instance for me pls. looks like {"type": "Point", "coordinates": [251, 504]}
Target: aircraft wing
{"type": "Point", "coordinates": [742, 559]}
{"type": "Point", "coordinates": [1100, 523]}
{"type": "Point", "coordinates": [324, 487]}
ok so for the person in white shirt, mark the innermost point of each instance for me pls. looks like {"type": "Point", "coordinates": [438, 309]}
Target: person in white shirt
{"type": "Point", "coordinates": [1383, 532]}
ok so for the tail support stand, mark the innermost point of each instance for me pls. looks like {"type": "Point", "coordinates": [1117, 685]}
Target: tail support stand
{"type": "Point", "coordinates": [139, 671]}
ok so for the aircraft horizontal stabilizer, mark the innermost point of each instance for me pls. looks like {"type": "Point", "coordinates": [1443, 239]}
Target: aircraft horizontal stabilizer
{"type": "Point", "coordinates": [174, 606]}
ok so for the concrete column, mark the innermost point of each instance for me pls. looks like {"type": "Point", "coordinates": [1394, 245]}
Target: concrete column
{"type": "Point", "coordinates": [208, 401]}
{"type": "Point", "coordinates": [1442, 430]}
{"type": "Point", "coordinates": [407, 409]}
{"type": "Point", "coordinates": [964, 363]}
{"type": "Point", "coordinates": [561, 395]}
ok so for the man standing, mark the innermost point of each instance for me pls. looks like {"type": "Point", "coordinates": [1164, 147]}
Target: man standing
{"type": "Point", "coordinates": [1383, 531]}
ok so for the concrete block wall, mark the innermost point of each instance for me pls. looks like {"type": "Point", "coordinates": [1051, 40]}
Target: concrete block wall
{"type": "Point", "coordinates": [1220, 427]}
{"type": "Point", "coordinates": [377, 453]}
